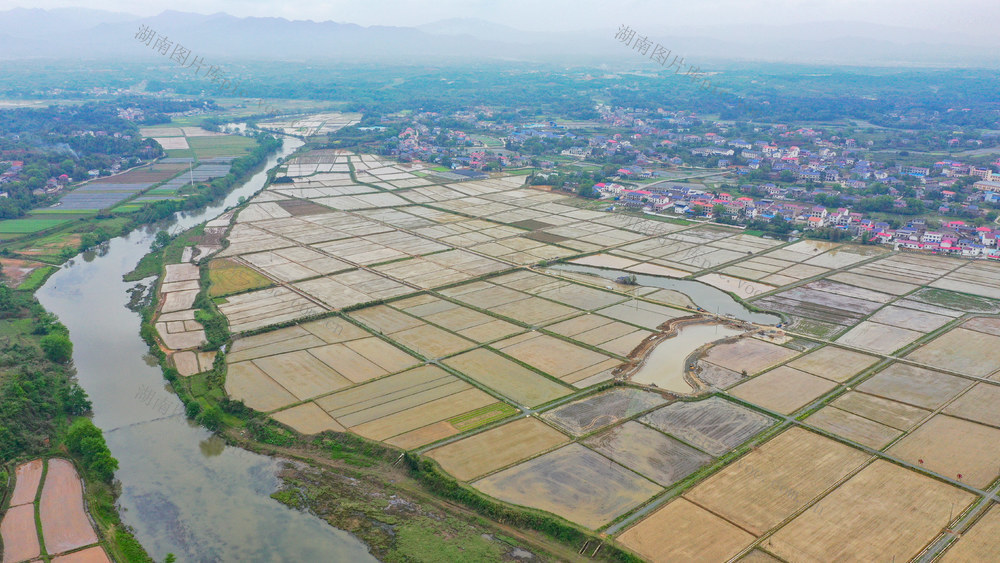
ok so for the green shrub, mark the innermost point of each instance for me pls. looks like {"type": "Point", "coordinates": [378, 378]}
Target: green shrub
{"type": "Point", "coordinates": [57, 347]}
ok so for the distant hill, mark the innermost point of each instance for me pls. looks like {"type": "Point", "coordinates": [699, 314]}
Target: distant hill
{"type": "Point", "coordinates": [93, 34]}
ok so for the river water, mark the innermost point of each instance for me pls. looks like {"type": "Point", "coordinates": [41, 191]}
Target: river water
{"type": "Point", "coordinates": [709, 298]}
{"type": "Point", "coordinates": [184, 491]}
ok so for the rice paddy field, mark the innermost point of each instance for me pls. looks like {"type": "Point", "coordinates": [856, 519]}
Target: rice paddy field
{"type": "Point", "coordinates": [378, 298]}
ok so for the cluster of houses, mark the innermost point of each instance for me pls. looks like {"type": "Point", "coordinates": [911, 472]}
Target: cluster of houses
{"type": "Point", "coordinates": [955, 237]}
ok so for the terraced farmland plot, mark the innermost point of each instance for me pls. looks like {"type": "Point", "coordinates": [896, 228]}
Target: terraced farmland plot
{"type": "Point", "coordinates": [713, 425]}
{"type": "Point", "coordinates": [772, 482]}
{"type": "Point", "coordinates": [853, 427]}
{"type": "Point", "coordinates": [952, 447]}
{"type": "Point", "coordinates": [411, 332]}
{"type": "Point", "coordinates": [496, 448]}
{"type": "Point", "coordinates": [880, 338]}
{"type": "Point", "coordinates": [683, 531]}
{"type": "Point", "coordinates": [783, 389]}
{"type": "Point", "coordinates": [508, 378]}
{"type": "Point", "coordinates": [915, 386]}
{"type": "Point", "coordinates": [833, 363]}
{"type": "Point", "coordinates": [574, 482]}
{"type": "Point", "coordinates": [890, 413]}
{"type": "Point", "coordinates": [961, 350]}
{"type": "Point", "coordinates": [265, 307]}
{"type": "Point", "coordinates": [652, 454]}
{"type": "Point", "coordinates": [747, 354]}
{"type": "Point", "coordinates": [603, 409]}
{"type": "Point", "coordinates": [883, 513]}
{"type": "Point", "coordinates": [572, 364]}
{"type": "Point", "coordinates": [408, 409]}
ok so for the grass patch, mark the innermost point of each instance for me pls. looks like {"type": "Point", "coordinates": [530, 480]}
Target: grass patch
{"type": "Point", "coordinates": [954, 300]}
{"type": "Point", "coordinates": [482, 416]}
{"type": "Point", "coordinates": [29, 225]}
{"type": "Point", "coordinates": [36, 278]}
{"type": "Point", "coordinates": [227, 277]}
{"type": "Point", "coordinates": [421, 540]}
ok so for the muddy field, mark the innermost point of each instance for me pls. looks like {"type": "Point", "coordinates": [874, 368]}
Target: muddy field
{"type": "Point", "coordinates": [747, 354]}
{"type": "Point", "coordinates": [601, 410]}
{"type": "Point", "coordinates": [713, 425]}
{"type": "Point", "coordinates": [573, 482]}
{"type": "Point", "coordinates": [65, 525]}
{"type": "Point", "coordinates": [656, 456]}
{"type": "Point", "coordinates": [853, 427]}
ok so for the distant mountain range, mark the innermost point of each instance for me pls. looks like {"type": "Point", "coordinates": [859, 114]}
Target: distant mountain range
{"type": "Point", "coordinates": [74, 33]}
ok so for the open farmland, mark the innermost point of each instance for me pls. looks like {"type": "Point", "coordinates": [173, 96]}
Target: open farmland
{"type": "Point", "coordinates": [884, 512]}
{"type": "Point", "coordinates": [772, 482]}
{"type": "Point", "coordinates": [601, 410]}
{"type": "Point", "coordinates": [444, 330]}
{"type": "Point", "coordinates": [980, 543]}
{"type": "Point", "coordinates": [63, 524]}
{"type": "Point", "coordinates": [497, 448]}
{"type": "Point", "coordinates": [573, 482]}
{"type": "Point", "coordinates": [652, 454]}
{"type": "Point", "coordinates": [713, 425]}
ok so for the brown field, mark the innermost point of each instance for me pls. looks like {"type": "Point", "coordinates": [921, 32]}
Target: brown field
{"type": "Point", "coordinates": [758, 556]}
{"type": "Point", "coordinates": [431, 341]}
{"type": "Point", "coordinates": [511, 380]}
{"type": "Point", "coordinates": [979, 404]}
{"type": "Point", "coordinates": [94, 554]}
{"type": "Point", "coordinates": [853, 427]}
{"type": "Point", "coordinates": [682, 531]}
{"type": "Point", "coordinates": [604, 409]}
{"type": "Point", "coordinates": [770, 483]}
{"type": "Point", "coordinates": [227, 276]}
{"type": "Point", "coordinates": [246, 382]}
{"type": "Point", "coordinates": [915, 386]}
{"type": "Point", "coordinates": [979, 543]}
{"type": "Point", "coordinates": [553, 356]}
{"type": "Point", "coordinates": [425, 435]}
{"type": "Point", "coordinates": [890, 413]}
{"type": "Point", "coordinates": [573, 482]}
{"type": "Point", "coordinates": [783, 389]}
{"type": "Point", "coordinates": [920, 321]}
{"type": "Point", "coordinates": [534, 311]}
{"type": "Point", "coordinates": [423, 415]}
{"type": "Point", "coordinates": [358, 368]}
{"type": "Point", "coordinates": [20, 540]}
{"type": "Point", "coordinates": [833, 363]}
{"type": "Point", "coordinates": [151, 174]}
{"type": "Point", "coordinates": [713, 425]}
{"type": "Point", "coordinates": [656, 456]}
{"type": "Point", "coordinates": [499, 447]}
{"type": "Point", "coordinates": [883, 513]}
{"type": "Point", "coordinates": [961, 350]}
{"type": "Point", "coordinates": [749, 354]}
{"type": "Point", "coordinates": [307, 419]}
{"type": "Point", "coordinates": [302, 374]}
{"type": "Point", "coordinates": [28, 476]}
{"type": "Point", "coordinates": [952, 446]}
{"type": "Point", "coordinates": [989, 325]}
{"type": "Point", "coordinates": [878, 337]}
{"type": "Point", "coordinates": [65, 525]}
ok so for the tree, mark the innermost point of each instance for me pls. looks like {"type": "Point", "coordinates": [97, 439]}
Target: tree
{"type": "Point", "coordinates": [57, 347]}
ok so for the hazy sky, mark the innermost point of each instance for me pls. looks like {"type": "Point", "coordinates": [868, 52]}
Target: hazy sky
{"type": "Point", "coordinates": [951, 16]}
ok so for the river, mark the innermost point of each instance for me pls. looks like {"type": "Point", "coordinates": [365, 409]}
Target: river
{"type": "Point", "coordinates": [184, 491]}
{"type": "Point", "coordinates": [709, 298]}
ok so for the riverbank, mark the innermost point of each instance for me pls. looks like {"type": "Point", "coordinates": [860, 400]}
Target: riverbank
{"type": "Point", "coordinates": [46, 414]}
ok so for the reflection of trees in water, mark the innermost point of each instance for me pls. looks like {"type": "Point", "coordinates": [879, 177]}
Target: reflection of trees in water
{"type": "Point", "coordinates": [212, 446]}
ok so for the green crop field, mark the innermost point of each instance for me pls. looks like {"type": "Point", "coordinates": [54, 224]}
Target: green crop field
{"type": "Point", "coordinates": [21, 226]}
{"type": "Point", "coordinates": [230, 145]}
